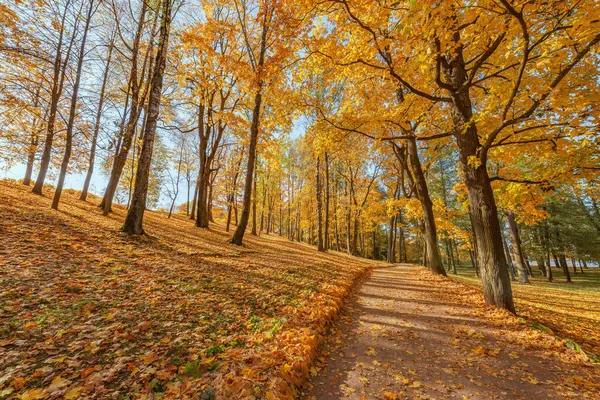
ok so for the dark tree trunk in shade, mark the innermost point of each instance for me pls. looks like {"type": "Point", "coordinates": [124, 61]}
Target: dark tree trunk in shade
{"type": "Point", "coordinates": [391, 241]}
{"type": "Point", "coordinates": [574, 265]}
{"type": "Point", "coordinates": [135, 215]}
{"type": "Point", "coordinates": [565, 267]}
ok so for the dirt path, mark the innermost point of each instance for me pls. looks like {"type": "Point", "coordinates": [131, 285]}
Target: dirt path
{"type": "Point", "coordinates": [406, 334]}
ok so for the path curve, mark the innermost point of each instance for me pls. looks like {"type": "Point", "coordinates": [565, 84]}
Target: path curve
{"type": "Point", "coordinates": [407, 334]}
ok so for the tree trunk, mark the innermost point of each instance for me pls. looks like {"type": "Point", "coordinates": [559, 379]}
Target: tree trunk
{"type": "Point", "coordinates": [195, 198]}
{"type": "Point", "coordinates": [326, 232]}
{"type": "Point", "coordinates": [565, 267]}
{"type": "Point", "coordinates": [348, 238]}
{"type": "Point", "coordinates": [56, 91]}
{"type": "Point", "coordinates": [320, 243]}
{"type": "Point", "coordinates": [177, 180]}
{"type": "Point", "coordinates": [90, 171]}
{"type": "Point", "coordinates": [126, 140]}
{"type": "Point", "coordinates": [511, 268]}
{"type": "Point", "coordinates": [238, 235]}
{"type": "Point", "coordinates": [336, 231]}
{"type": "Point", "coordinates": [135, 215]}
{"type": "Point", "coordinates": [72, 111]}
{"type": "Point", "coordinates": [253, 232]}
{"type": "Point", "coordinates": [391, 250]}
{"type": "Point", "coordinates": [402, 253]}
{"type": "Point", "coordinates": [204, 169]}
{"type": "Point", "coordinates": [33, 141]}
{"type": "Point", "coordinates": [430, 232]}
{"type": "Point", "coordinates": [482, 206]}
{"type": "Point", "coordinates": [516, 241]}
{"type": "Point", "coordinates": [355, 236]}
{"type": "Point", "coordinates": [375, 244]}
{"type": "Point", "coordinates": [541, 266]}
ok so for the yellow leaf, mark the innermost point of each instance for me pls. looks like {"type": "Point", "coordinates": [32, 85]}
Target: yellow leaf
{"type": "Point", "coordinates": [389, 396]}
{"type": "Point", "coordinates": [285, 368]}
{"type": "Point", "coordinates": [493, 352]}
{"type": "Point", "coordinates": [33, 394]}
{"type": "Point", "coordinates": [29, 325]}
{"type": "Point", "coordinates": [57, 383]}
{"type": "Point", "coordinates": [73, 393]}
{"type": "Point", "coordinates": [150, 358]}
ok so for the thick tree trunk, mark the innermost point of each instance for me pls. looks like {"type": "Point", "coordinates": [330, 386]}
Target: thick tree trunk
{"type": "Point", "coordinates": [488, 238]}
{"type": "Point", "coordinates": [430, 231]}
{"type": "Point", "coordinates": [135, 215]}
{"type": "Point", "coordinates": [238, 235]}
{"type": "Point", "coordinates": [72, 111]}
{"type": "Point", "coordinates": [565, 267]}
{"type": "Point", "coordinates": [126, 139]}
{"type": "Point", "coordinates": [482, 206]}
{"type": "Point", "coordinates": [203, 171]}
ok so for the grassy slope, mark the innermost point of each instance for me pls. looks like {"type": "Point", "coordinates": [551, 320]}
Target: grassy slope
{"type": "Point", "coordinates": [86, 311]}
{"type": "Point", "coordinates": [571, 310]}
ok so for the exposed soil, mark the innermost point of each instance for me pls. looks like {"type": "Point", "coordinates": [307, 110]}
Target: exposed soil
{"type": "Point", "coordinates": [407, 334]}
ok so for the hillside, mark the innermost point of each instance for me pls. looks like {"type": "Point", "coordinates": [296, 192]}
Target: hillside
{"type": "Point", "coordinates": [88, 311]}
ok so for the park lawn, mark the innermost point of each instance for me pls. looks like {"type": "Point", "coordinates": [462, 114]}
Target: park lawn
{"type": "Point", "coordinates": [570, 310]}
{"type": "Point", "coordinates": [87, 311]}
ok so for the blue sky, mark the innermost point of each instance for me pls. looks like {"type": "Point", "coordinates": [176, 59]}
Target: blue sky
{"type": "Point", "coordinates": [99, 179]}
